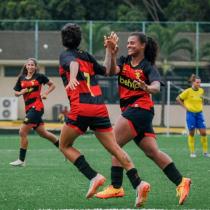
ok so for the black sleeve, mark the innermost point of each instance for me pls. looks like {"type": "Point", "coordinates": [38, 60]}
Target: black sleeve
{"type": "Point", "coordinates": [153, 74]}
{"type": "Point", "coordinates": [43, 79]}
{"type": "Point", "coordinates": [98, 68]}
{"type": "Point", "coordinates": [120, 62]}
{"type": "Point", "coordinates": [17, 86]}
{"type": "Point", "coordinates": [66, 59]}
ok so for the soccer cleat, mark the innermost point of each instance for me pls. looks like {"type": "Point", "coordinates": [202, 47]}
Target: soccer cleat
{"type": "Point", "coordinates": [110, 192]}
{"type": "Point", "coordinates": [95, 183]}
{"type": "Point", "coordinates": [183, 190]}
{"type": "Point", "coordinates": [193, 155]}
{"type": "Point", "coordinates": [206, 154]}
{"type": "Point", "coordinates": [142, 191]}
{"type": "Point", "coordinates": [18, 163]}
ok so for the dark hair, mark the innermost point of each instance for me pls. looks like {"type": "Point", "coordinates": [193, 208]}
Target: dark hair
{"type": "Point", "coordinates": [71, 35]}
{"type": "Point", "coordinates": [151, 48]}
{"type": "Point", "coordinates": [193, 77]}
{"type": "Point", "coordinates": [24, 69]}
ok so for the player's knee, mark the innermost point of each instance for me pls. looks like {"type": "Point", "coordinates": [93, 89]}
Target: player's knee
{"type": "Point", "coordinates": [152, 154]}
{"type": "Point", "coordinates": [22, 133]}
{"type": "Point", "coordinates": [43, 134]}
{"type": "Point", "coordinates": [63, 145]}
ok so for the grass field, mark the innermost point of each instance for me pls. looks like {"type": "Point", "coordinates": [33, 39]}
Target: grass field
{"type": "Point", "coordinates": [48, 182]}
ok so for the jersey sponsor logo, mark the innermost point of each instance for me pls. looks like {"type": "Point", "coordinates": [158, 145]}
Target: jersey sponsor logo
{"type": "Point", "coordinates": [130, 84]}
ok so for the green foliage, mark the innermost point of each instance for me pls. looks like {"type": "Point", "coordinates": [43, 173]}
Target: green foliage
{"type": "Point", "coordinates": [205, 52]}
{"type": "Point", "coordinates": [125, 13]}
{"type": "Point", "coordinates": [169, 40]}
{"type": "Point", "coordinates": [126, 10]}
{"type": "Point", "coordinates": [188, 10]}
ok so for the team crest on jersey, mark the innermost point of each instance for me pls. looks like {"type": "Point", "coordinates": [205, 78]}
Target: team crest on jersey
{"type": "Point", "coordinates": [138, 73]}
{"type": "Point", "coordinates": [124, 68]}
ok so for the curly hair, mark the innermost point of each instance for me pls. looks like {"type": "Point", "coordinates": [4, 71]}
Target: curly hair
{"type": "Point", "coordinates": [151, 48]}
{"type": "Point", "coordinates": [71, 35]}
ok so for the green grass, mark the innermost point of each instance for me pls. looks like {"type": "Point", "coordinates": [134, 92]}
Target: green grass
{"type": "Point", "coordinates": [48, 182]}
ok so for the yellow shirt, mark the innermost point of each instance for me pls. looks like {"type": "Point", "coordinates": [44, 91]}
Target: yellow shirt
{"type": "Point", "coordinates": [193, 99]}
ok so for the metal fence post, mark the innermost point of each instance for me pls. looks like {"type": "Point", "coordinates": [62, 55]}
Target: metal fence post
{"type": "Point", "coordinates": [36, 40]}
{"type": "Point", "coordinates": [91, 37]}
{"type": "Point", "coordinates": [197, 48]}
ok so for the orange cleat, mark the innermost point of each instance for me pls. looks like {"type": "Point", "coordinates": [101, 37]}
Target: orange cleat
{"type": "Point", "coordinates": [110, 192]}
{"type": "Point", "coordinates": [95, 183]}
{"type": "Point", "coordinates": [142, 193]}
{"type": "Point", "coordinates": [183, 190]}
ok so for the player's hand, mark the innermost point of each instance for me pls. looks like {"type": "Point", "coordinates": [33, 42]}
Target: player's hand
{"type": "Point", "coordinates": [44, 96]}
{"type": "Point", "coordinates": [72, 84]}
{"type": "Point", "coordinates": [111, 42]}
{"type": "Point", "coordinates": [23, 91]}
{"type": "Point", "coordinates": [142, 85]}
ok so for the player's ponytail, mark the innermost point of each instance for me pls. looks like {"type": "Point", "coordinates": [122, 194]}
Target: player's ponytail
{"type": "Point", "coordinates": [192, 78]}
{"type": "Point", "coordinates": [151, 46]}
{"type": "Point", "coordinates": [151, 50]}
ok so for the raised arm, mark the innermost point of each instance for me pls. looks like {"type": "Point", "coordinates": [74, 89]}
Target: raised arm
{"type": "Point", "coordinates": [111, 46]}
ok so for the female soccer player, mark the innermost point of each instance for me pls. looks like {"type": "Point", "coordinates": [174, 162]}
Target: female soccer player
{"type": "Point", "coordinates": [78, 70]}
{"type": "Point", "coordinates": [192, 100]}
{"type": "Point", "coordinates": [137, 80]}
{"type": "Point", "coordinates": [29, 85]}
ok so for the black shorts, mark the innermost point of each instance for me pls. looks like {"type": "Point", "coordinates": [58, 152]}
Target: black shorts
{"type": "Point", "coordinates": [81, 124]}
{"type": "Point", "coordinates": [140, 121]}
{"type": "Point", "coordinates": [34, 118]}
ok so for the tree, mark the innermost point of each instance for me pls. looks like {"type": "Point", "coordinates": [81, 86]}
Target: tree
{"type": "Point", "coordinates": [188, 10]}
{"type": "Point", "coordinates": [169, 42]}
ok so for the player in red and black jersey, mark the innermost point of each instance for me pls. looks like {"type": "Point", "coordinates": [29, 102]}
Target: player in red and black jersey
{"type": "Point", "coordinates": [138, 79]}
{"type": "Point", "coordinates": [29, 85]}
{"type": "Point", "coordinates": [78, 71]}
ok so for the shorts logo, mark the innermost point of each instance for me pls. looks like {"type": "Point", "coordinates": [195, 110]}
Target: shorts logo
{"type": "Point", "coordinates": [25, 120]}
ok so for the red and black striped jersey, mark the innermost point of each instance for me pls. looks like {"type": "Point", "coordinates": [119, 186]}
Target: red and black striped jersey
{"type": "Point", "coordinates": [34, 85]}
{"type": "Point", "coordinates": [86, 99]}
{"type": "Point", "coordinates": [130, 92]}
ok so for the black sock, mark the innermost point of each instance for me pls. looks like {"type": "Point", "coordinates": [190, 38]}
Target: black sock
{"type": "Point", "coordinates": [56, 143]}
{"type": "Point", "coordinates": [117, 176]}
{"type": "Point", "coordinates": [173, 174]}
{"type": "Point", "coordinates": [84, 167]}
{"type": "Point", "coordinates": [133, 177]}
{"type": "Point", "coordinates": [22, 154]}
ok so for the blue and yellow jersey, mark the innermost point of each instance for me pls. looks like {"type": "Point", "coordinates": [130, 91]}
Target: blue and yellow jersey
{"type": "Point", "coordinates": [192, 99]}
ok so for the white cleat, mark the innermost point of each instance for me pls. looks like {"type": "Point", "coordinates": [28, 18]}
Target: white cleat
{"type": "Point", "coordinates": [193, 155]}
{"type": "Point", "coordinates": [18, 163]}
{"type": "Point", "coordinates": [206, 154]}
{"type": "Point", "coordinates": [95, 183]}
